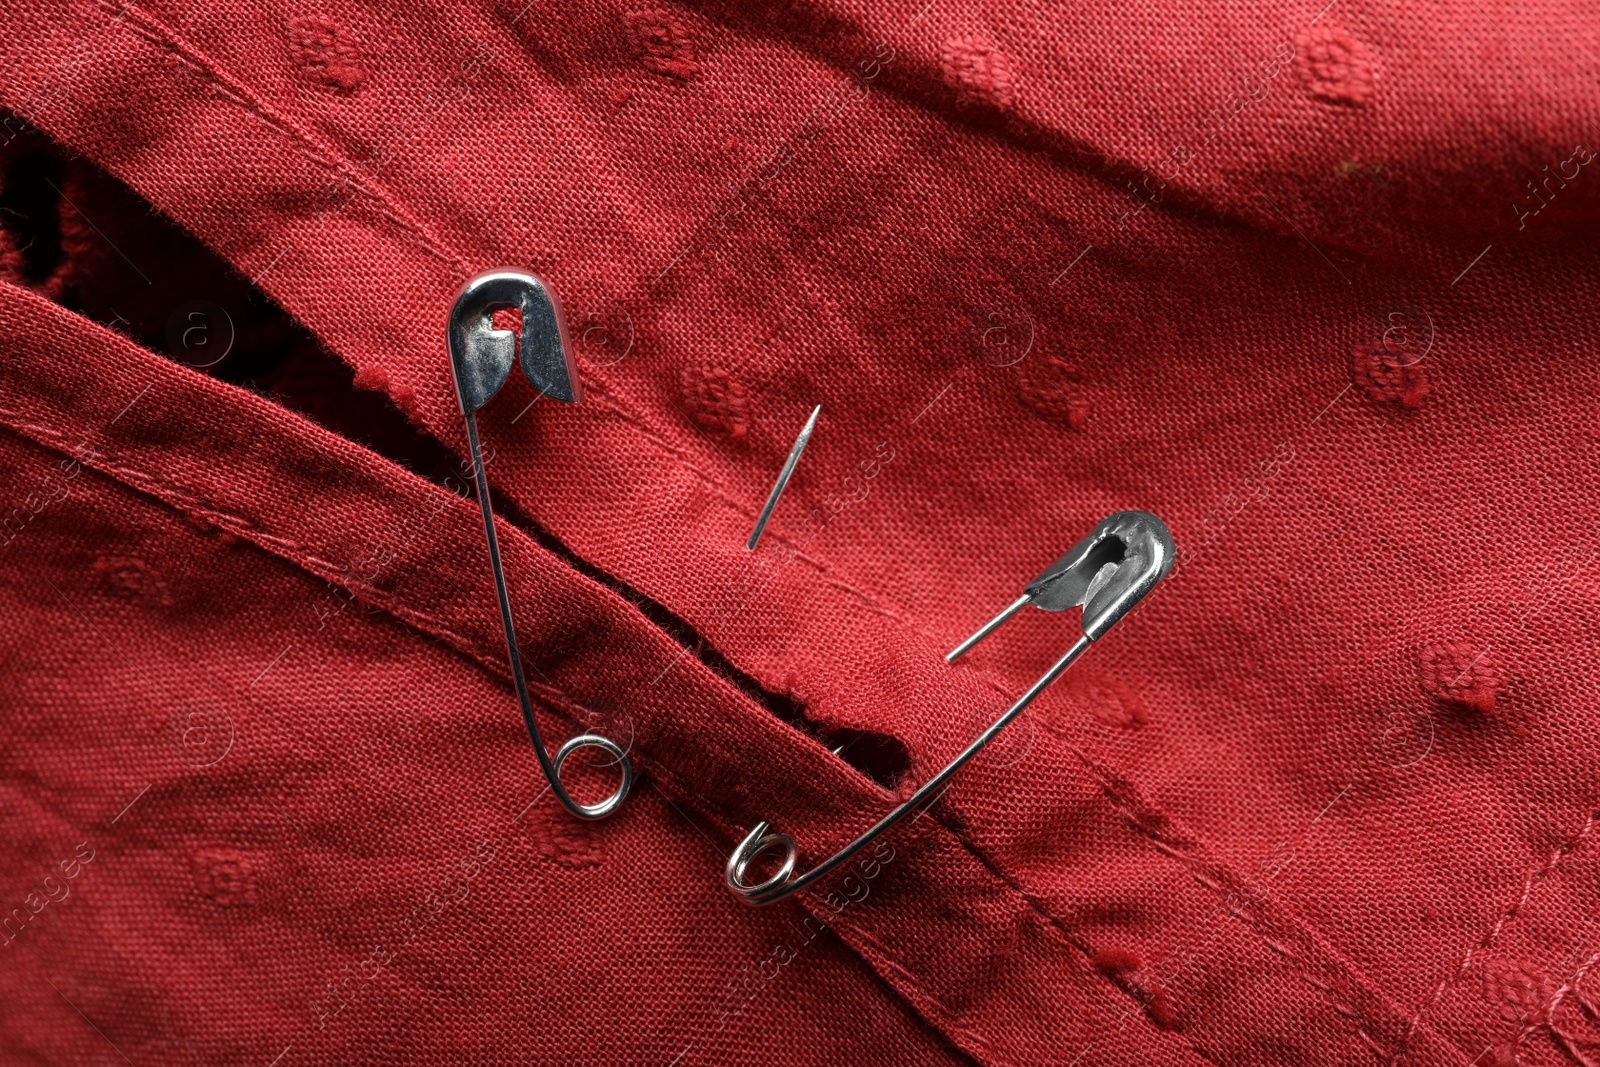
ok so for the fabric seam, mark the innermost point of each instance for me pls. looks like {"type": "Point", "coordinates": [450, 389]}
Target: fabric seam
{"type": "Point", "coordinates": [235, 92]}
{"type": "Point", "coordinates": [1491, 937]}
{"type": "Point", "coordinates": [284, 548]}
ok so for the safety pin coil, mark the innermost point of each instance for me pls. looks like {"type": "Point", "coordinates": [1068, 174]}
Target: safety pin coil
{"type": "Point", "coordinates": [481, 358]}
{"type": "Point", "coordinates": [1107, 573]}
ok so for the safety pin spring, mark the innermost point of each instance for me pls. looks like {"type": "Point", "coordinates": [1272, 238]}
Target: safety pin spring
{"type": "Point", "coordinates": [481, 358]}
{"type": "Point", "coordinates": [1107, 573]}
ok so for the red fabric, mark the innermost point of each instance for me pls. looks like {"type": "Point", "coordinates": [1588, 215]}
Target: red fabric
{"type": "Point", "coordinates": [1315, 284]}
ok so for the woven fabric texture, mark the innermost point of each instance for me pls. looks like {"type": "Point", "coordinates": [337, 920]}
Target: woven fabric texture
{"type": "Point", "coordinates": [1316, 283]}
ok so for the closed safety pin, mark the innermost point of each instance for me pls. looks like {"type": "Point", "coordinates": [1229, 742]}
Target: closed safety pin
{"type": "Point", "coordinates": [482, 357]}
{"type": "Point", "coordinates": [1107, 572]}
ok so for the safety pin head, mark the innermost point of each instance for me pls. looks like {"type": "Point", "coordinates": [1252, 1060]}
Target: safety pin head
{"type": "Point", "coordinates": [482, 356]}
{"type": "Point", "coordinates": [1107, 572]}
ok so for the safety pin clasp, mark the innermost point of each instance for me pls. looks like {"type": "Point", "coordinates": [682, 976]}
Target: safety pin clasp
{"type": "Point", "coordinates": [481, 358]}
{"type": "Point", "coordinates": [1107, 573]}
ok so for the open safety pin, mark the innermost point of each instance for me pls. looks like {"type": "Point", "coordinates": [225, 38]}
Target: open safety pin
{"type": "Point", "coordinates": [1107, 572]}
{"type": "Point", "coordinates": [481, 358]}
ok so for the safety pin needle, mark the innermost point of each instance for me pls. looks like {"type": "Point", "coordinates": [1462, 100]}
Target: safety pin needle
{"type": "Point", "coordinates": [481, 359]}
{"type": "Point", "coordinates": [989, 627]}
{"type": "Point", "coordinates": [1106, 573]}
{"type": "Point", "coordinates": [783, 477]}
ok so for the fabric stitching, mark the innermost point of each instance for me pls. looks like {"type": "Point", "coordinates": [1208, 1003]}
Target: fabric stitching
{"type": "Point", "coordinates": [1066, 146]}
{"type": "Point", "coordinates": [1570, 986]}
{"type": "Point", "coordinates": [1491, 937]}
{"type": "Point", "coordinates": [636, 422]}
{"type": "Point", "coordinates": [161, 489]}
{"type": "Point", "coordinates": [1055, 923]}
{"type": "Point", "coordinates": [948, 1019]}
{"type": "Point", "coordinates": [1173, 847]}
{"type": "Point", "coordinates": [1099, 772]}
{"type": "Point", "coordinates": [1538, 874]}
{"type": "Point", "coordinates": [1228, 885]}
{"type": "Point", "coordinates": [236, 92]}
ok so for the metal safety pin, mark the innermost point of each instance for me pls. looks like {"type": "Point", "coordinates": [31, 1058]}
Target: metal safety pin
{"type": "Point", "coordinates": [481, 358]}
{"type": "Point", "coordinates": [1107, 572]}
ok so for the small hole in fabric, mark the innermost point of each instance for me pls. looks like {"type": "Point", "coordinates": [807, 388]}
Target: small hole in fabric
{"type": "Point", "coordinates": [30, 214]}
{"type": "Point", "coordinates": [883, 758]}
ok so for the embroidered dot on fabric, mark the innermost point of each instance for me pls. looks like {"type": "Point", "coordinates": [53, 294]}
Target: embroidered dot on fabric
{"type": "Point", "coordinates": [978, 72]}
{"type": "Point", "coordinates": [133, 578]}
{"type": "Point", "coordinates": [1458, 673]}
{"type": "Point", "coordinates": [717, 401]}
{"type": "Point", "coordinates": [662, 42]}
{"type": "Point", "coordinates": [326, 53]}
{"type": "Point", "coordinates": [1334, 66]}
{"type": "Point", "coordinates": [1506, 1055]}
{"type": "Point", "coordinates": [1520, 991]}
{"type": "Point", "coordinates": [1048, 386]}
{"type": "Point", "coordinates": [226, 877]}
{"type": "Point", "coordinates": [565, 841]}
{"type": "Point", "coordinates": [1387, 378]}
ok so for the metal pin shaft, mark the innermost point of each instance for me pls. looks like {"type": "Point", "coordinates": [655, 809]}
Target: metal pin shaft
{"type": "Point", "coordinates": [783, 477]}
{"type": "Point", "coordinates": [988, 628]}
